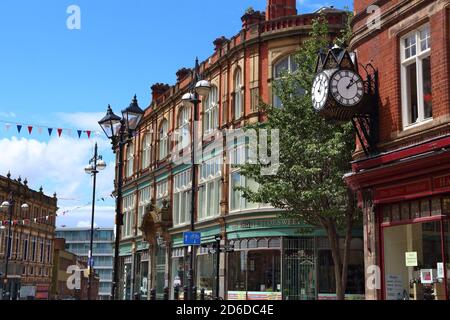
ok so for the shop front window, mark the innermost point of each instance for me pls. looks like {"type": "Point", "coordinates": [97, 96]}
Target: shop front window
{"type": "Point", "coordinates": [179, 268]}
{"type": "Point", "coordinates": [264, 271]}
{"type": "Point", "coordinates": [413, 262]}
{"type": "Point", "coordinates": [206, 272]}
{"type": "Point", "coordinates": [447, 252]}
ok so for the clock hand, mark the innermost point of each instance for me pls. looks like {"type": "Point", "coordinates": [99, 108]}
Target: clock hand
{"type": "Point", "coordinates": [352, 82]}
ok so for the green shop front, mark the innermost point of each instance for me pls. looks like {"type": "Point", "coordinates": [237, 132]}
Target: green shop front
{"type": "Point", "coordinates": [273, 259]}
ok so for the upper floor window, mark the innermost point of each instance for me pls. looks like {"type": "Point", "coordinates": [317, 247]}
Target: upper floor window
{"type": "Point", "coordinates": [146, 150]}
{"type": "Point", "coordinates": [130, 160]}
{"type": "Point", "coordinates": [285, 65]}
{"type": "Point", "coordinates": [416, 76]}
{"type": "Point", "coordinates": [182, 198]}
{"type": "Point", "coordinates": [144, 200]}
{"type": "Point", "coordinates": [183, 128]}
{"type": "Point", "coordinates": [163, 139]}
{"type": "Point", "coordinates": [210, 189]}
{"type": "Point", "coordinates": [238, 96]}
{"type": "Point", "coordinates": [162, 192]}
{"type": "Point", "coordinates": [211, 111]}
{"type": "Point", "coordinates": [128, 212]}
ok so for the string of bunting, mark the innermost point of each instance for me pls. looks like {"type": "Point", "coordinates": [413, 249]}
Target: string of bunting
{"type": "Point", "coordinates": [30, 128]}
{"type": "Point", "coordinates": [25, 222]}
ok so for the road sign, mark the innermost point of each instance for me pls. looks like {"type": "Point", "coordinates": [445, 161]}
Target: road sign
{"type": "Point", "coordinates": [91, 262]}
{"type": "Point", "coordinates": [192, 238]}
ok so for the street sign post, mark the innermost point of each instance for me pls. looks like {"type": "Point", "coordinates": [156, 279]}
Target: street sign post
{"type": "Point", "coordinates": [192, 238]}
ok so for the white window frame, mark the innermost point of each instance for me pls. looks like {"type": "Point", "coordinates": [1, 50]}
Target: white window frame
{"type": "Point", "coordinates": [183, 128]}
{"type": "Point", "coordinates": [130, 160]}
{"type": "Point", "coordinates": [238, 95]}
{"type": "Point", "coordinates": [146, 150]}
{"type": "Point", "coordinates": [129, 205]}
{"type": "Point", "coordinates": [211, 111]}
{"type": "Point", "coordinates": [182, 194]}
{"type": "Point", "coordinates": [145, 198]}
{"type": "Point", "coordinates": [163, 139]}
{"type": "Point", "coordinates": [405, 61]}
{"type": "Point", "coordinates": [210, 177]}
{"type": "Point", "coordinates": [291, 63]}
{"type": "Point", "coordinates": [162, 192]}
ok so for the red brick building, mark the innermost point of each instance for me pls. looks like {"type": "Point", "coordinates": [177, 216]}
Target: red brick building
{"type": "Point", "coordinates": [405, 188]}
{"type": "Point", "coordinates": [157, 190]}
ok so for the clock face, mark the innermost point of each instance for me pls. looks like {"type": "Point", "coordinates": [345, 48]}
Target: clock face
{"type": "Point", "coordinates": [320, 91]}
{"type": "Point", "coordinates": [347, 88]}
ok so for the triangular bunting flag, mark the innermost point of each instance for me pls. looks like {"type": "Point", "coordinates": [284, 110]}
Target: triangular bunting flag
{"type": "Point", "coordinates": [60, 132]}
{"type": "Point", "coordinates": [7, 126]}
{"type": "Point", "coordinates": [89, 134]}
{"type": "Point", "coordinates": [50, 130]}
{"type": "Point", "coordinates": [79, 133]}
{"type": "Point", "coordinates": [40, 130]}
{"type": "Point", "coordinates": [19, 128]}
{"type": "Point", "coordinates": [30, 129]}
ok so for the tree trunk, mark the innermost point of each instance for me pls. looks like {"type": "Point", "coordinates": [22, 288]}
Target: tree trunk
{"type": "Point", "coordinates": [333, 238]}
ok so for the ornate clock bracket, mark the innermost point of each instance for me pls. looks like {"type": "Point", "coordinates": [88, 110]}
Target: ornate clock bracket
{"type": "Point", "coordinates": [366, 122]}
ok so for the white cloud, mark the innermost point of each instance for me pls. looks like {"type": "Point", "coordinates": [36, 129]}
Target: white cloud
{"type": "Point", "coordinates": [81, 218]}
{"type": "Point", "coordinates": [58, 165]}
{"type": "Point", "coordinates": [85, 120]}
{"type": "Point", "coordinates": [7, 114]}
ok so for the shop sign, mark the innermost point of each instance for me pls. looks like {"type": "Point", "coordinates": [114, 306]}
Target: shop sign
{"type": "Point", "coordinates": [403, 190]}
{"type": "Point", "coordinates": [411, 259]}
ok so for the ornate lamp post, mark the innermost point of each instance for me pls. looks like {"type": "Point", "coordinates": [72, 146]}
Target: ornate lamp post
{"type": "Point", "coordinates": [120, 131]}
{"type": "Point", "coordinates": [198, 88]}
{"type": "Point", "coordinates": [9, 205]}
{"type": "Point", "coordinates": [96, 164]}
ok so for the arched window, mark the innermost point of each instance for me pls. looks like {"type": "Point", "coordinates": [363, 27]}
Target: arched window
{"type": "Point", "coordinates": [285, 65]}
{"type": "Point", "coordinates": [146, 150]}
{"type": "Point", "coordinates": [163, 139]}
{"type": "Point", "coordinates": [238, 96]}
{"type": "Point", "coordinates": [130, 160]}
{"type": "Point", "coordinates": [183, 128]}
{"type": "Point", "coordinates": [211, 111]}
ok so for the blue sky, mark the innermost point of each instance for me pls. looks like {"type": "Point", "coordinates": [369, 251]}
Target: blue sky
{"type": "Point", "coordinates": [53, 76]}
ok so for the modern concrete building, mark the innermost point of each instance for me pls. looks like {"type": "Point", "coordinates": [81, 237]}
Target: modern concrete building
{"type": "Point", "coordinates": [77, 242]}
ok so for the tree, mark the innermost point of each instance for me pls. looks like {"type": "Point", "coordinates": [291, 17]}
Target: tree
{"type": "Point", "coordinates": [314, 157]}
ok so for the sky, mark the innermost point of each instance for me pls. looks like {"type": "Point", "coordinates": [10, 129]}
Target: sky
{"type": "Point", "coordinates": [60, 77]}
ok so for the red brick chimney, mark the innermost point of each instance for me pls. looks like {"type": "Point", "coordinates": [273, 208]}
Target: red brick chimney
{"type": "Point", "coordinates": [158, 89]}
{"type": "Point", "coordinates": [280, 8]}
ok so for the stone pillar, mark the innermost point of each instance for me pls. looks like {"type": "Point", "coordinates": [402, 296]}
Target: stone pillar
{"type": "Point", "coordinates": [371, 254]}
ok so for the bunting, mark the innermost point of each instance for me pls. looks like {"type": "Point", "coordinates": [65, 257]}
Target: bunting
{"type": "Point", "coordinates": [38, 129]}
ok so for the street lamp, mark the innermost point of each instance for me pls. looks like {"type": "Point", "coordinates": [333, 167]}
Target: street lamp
{"type": "Point", "coordinates": [9, 205]}
{"type": "Point", "coordinates": [199, 87]}
{"type": "Point", "coordinates": [96, 164]}
{"type": "Point", "coordinates": [119, 131]}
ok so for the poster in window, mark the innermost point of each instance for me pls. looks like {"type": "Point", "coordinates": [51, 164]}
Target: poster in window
{"type": "Point", "coordinates": [394, 287]}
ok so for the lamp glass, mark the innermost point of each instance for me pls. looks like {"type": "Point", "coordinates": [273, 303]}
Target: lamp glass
{"type": "Point", "coordinates": [203, 87]}
{"type": "Point", "coordinates": [110, 123]}
{"type": "Point", "coordinates": [133, 115]}
{"type": "Point", "coordinates": [101, 165]}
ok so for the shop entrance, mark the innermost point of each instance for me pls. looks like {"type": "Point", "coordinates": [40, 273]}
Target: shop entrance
{"type": "Point", "coordinates": [299, 269]}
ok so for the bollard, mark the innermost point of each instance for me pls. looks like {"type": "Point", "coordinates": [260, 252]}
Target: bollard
{"type": "Point", "coordinates": [153, 294]}
{"type": "Point", "coordinates": [202, 294]}
{"type": "Point", "coordinates": [166, 293]}
{"type": "Point", "coordinates": [194, 293]}
{"type": "Point", "coordinates": [176, 293]}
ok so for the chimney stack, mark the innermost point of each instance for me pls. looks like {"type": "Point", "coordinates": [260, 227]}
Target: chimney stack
{"type": "Point", "coordinates": [158, 90]}
{"type": "Point", "coordinates": [280, 8]}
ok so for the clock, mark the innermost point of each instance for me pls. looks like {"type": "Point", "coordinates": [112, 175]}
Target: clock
{"type": "Point", "coordinates": [347, 88]}
{"type": "Point", "coordinates": [320, 91]}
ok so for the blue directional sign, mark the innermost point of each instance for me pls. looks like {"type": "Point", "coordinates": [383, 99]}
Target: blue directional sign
{"type": "Point", "coordinates": [192, 238]}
